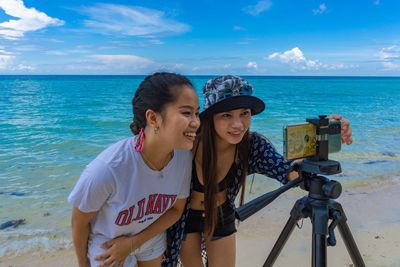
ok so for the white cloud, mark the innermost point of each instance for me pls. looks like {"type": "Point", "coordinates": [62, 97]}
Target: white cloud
{"type": "Point", "coordinates": [120, 63]}
{"type": "Point", "coordinates": [54, 40]}
{"type": "Point", "coordinates": [272, 56]}
{"type": "Point", "coordinates": [6, 61]}
{"type": "Point", "coordinates": [29, 19]}
{"type": "Point", "coordinates": [377, 2]}
{"type": "Point", "coordinates": [388, 55]}
{"type": "Point", "coordinates": [296, 59]}
{"type": "Point", "coordinates": [252, 64]}
{"type": "Point", "coordinates": [26, 47]}
{"type": "Point", "coordinates": [227, 66]}
{"type": "Point", "coordinates": [132, 21]}
{"type": "Point", "coordinates": [156, 42]}
{"type": "Point", "coordinates": [258, 8]}
{"type": "Point", "coordinates": [320, 10]}
{"type": "Point", "coordinates": [130, 59]}
{"type": "Point", "coordinates": [56, 53]}
{"type": "Point", "coordinates": [238, 28]}
{"type": "Point", "coordinates": [80, 51]}
{"type": "Point", "coordinates": [391, 66]}
{"type": "Point", "coordinates": [291, 56]}
{"type": "Point", "coordinates": [25, 67]}
{"type": "Point", "coordinates": [178, 66]}
{"type": "Point", "coordinates": [4, 52]}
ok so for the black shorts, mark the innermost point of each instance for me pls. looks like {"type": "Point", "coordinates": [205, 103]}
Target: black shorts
{"type": "Point", "coordinates": [225, 225]}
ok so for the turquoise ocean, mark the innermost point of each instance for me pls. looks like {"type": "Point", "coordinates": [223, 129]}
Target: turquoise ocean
{"type": "Point", "coordinates": [52, 126]}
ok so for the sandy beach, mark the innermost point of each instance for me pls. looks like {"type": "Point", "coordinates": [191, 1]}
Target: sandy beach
{"type": "Point", "coordinates": [373, 217]}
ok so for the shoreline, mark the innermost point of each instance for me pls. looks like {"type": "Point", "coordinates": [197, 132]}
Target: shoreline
{"type": "Point", "coordinates": [373, 218]}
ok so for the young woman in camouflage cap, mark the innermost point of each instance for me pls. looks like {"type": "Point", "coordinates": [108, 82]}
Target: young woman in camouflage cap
{"type": "Point", "coordinates": [224, 154]}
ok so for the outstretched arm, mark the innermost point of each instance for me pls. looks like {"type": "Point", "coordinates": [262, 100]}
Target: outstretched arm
{"type": "Point", "coordinates": [265, 160]}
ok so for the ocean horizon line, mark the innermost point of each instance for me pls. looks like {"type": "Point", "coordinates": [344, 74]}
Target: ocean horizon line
{"type": "Point", "coordinates": [197, 75]}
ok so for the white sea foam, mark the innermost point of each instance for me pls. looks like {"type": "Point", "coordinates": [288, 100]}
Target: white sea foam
{"type": "Point", "coordinates": [15, 247]}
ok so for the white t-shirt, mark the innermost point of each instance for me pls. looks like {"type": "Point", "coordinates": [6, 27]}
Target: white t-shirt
{"type": "Point", "coordinates": [127, 195]}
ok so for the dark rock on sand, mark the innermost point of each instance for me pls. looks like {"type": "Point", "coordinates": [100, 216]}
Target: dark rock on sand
{"type": "Point", "coordinates": [390, 154]}
{"type": "Point", "coordinates": [13, 223]}
{"type": "Point", "coordinates": [17, 194]}
{"type": "Point", "coordinates": [374, 162]}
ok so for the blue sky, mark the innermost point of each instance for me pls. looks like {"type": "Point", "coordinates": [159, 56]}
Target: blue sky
{"type": "Point", "coordinates": [267, 37]}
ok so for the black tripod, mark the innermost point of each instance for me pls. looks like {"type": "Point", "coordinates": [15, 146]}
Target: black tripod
{"type": "Point", "coordinates": [318, 206]}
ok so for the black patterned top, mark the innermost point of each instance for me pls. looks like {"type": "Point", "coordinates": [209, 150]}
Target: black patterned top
{"type": "Point", "coordinates": [263, 159]}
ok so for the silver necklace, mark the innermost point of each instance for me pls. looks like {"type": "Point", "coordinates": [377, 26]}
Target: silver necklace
{"type": "Point", "coordinates": [148, 162]}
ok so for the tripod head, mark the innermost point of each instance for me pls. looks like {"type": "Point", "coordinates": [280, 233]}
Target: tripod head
{"type": "Point", "coordinates": [319, 187]}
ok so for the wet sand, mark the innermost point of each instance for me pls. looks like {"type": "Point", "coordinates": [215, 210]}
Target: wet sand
{"type": "Point", "coordinates": [373, 217]}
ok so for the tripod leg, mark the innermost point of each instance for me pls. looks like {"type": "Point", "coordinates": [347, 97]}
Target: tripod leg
{"type": "Point", "coordinates": [348, 237]}
{"type": "Point", "coordinates": [320, 217]}
{"type": "Point", "coordinates": [283, 237]}
{"type": "Point", "coordinates": [319, 251]}
{"type": "Point", "coordinates": [298, 211]}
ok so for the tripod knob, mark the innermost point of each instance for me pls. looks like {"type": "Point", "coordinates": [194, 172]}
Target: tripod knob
{"type": "Point", "coordinates": [332, 189]}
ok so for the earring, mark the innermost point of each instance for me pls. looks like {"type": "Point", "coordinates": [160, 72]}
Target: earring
{"type": "Point", "coordinates": [156, 130]}
{"type": "Point", "coordinates": [139, 141]}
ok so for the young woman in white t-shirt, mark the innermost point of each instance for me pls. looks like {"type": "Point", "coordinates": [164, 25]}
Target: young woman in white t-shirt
{"type": "Point", "coordinates": [135, 189]}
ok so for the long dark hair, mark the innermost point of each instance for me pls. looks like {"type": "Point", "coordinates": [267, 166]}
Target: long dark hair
{"type": "Point", "coordinates": [209, 169]}
{"type": "Point", "coordinates": [154, 92]}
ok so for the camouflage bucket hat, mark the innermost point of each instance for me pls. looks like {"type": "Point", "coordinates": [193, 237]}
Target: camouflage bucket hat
{"type": "Point", "coordinates": [228, 93]}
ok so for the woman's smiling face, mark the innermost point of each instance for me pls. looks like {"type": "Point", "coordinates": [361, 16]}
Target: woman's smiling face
{"type": "Point", "coordinates": [230, 126]}
{"type": "Point", "coordinates": [181, 119]}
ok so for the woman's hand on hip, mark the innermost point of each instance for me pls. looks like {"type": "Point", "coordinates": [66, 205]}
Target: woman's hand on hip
{"type": "Point", "coordinates": [118, 249]}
